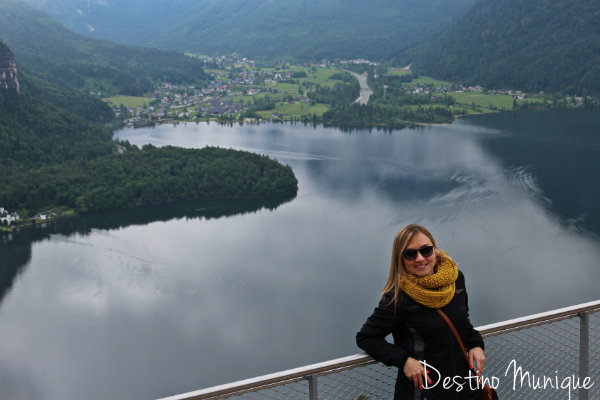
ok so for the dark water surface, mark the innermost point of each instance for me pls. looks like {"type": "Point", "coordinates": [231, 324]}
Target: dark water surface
{"type": "Point", "coordinates": [146, 303]}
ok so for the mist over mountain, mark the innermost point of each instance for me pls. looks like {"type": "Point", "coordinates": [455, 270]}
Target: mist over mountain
{"type": "Point", "coordinates": [533, 45]}
{"type": "Point", "coordinates": [315, 29]}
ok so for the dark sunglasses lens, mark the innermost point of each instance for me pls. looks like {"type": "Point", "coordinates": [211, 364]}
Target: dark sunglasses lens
{"type": "Point", "coordinates": [410, 254]}
{"type": "Point", "coordinates": [426, 251]}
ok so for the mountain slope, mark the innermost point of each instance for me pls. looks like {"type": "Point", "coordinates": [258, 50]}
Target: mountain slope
{"type": "Point", "coordinates": [44, 46]}
{"type": "Point", "coordinates": [532, 45]}
{"type": "Point", "coordinates": [44, 124]}
{"type": "Point", "coordinates": [312, 29]}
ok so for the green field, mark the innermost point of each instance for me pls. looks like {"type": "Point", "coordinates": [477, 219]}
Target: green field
{"type": "Point", "coordinates": [501, 101]}
{"type": "Point", "coordinates": [320, 76]}
{"type": "Point", "coordinates": [489, 101]}
{"type": "Point", "coordinates": [296, 110]}
{"type": "Point", "coordinates": [128, 101]}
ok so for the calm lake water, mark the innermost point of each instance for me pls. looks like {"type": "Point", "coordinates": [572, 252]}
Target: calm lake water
{"type": "Point", "coordinates": [147, 303]}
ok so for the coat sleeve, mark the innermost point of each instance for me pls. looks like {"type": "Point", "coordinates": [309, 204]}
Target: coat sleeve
{"type": "Point", "coordinates": [371, 337]}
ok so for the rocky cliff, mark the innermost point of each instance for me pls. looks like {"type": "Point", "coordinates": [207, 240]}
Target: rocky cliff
{"type": "Point", "coordinates": [8, 72]}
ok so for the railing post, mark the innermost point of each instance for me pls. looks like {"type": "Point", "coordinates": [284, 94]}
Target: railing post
{"type": "Point", "coordinates": [312, 387]}
{"type": "Point", "coordinates": [584, 351]}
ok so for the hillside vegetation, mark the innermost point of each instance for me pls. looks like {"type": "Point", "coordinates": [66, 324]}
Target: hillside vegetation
{"type": "Point", "coordinates": [304, 29]}
{"type": "Point", "coordinates": [534, 45]}
{"type": "Point", "coordinates": [49, 50]}
{"type": "Point", "coordinates": [47, 124]}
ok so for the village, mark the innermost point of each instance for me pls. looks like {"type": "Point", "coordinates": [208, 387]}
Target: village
{"type": "Point", "coordinates": [239, 83]}
{"type": "Point", "coordinates": [229, 93]}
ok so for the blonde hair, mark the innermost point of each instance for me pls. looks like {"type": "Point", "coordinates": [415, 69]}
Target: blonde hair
{"type": "Point", "coordinates": [397, 267]}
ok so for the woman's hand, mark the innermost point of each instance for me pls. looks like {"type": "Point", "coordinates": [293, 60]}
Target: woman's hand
{"type": "Point", "coordinates": [415, 371]}
{"type": "Point", "coordinates": [477, 357]}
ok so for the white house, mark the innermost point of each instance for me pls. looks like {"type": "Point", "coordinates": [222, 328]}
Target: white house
{"type": "Point", "coordinates": [7, 217]}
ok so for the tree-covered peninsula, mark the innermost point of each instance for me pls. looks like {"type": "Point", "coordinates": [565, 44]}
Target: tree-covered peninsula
{"type": "Point", "coordinates": [148, 176]}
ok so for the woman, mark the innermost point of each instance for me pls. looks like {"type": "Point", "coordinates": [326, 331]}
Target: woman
{"type": "Point", "coordinates": [422, 279]}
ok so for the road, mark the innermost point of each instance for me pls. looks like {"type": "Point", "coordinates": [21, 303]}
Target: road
{"type": "Point", "coordinates": [365, 90]}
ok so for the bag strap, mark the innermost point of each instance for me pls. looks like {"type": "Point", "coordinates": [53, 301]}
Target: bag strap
{"type": "Point", "coordinates": [489, 393]}
{"type": "Point", "coordinates": [456, 335]}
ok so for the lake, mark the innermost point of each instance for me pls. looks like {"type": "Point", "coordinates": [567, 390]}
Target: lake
{"type": "Point", "coordinates": [145, 303]}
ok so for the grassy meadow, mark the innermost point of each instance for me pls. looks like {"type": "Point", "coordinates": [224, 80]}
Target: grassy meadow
{"type": "Point", "coordinates": [128, 101]}
{"type": "Point", "coordinates": [296, 110]}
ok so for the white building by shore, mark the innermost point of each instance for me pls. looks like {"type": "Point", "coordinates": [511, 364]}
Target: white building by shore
{"type": "Point", "coordinates": [7, 217]}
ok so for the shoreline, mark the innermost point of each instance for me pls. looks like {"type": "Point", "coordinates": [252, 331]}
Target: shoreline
{"type": "Point", "coordinates": [29, 223]}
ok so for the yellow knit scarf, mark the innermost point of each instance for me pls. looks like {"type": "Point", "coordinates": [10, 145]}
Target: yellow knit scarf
{"type": "Point", "coordinates": [433, 291]}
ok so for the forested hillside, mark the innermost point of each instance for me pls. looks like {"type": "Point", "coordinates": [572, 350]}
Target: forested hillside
{"type": "Point", "coordinates": [46, 124]}
{"type": "Point", "coordinates": [46, 48]}
{"type": "Point", "coordinates": [534, 45]}
{"type": "Point", "coordinates": [307, 29]}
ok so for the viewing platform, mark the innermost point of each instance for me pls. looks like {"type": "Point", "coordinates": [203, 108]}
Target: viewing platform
{"type": "Point", "coordinates": [551, 355]}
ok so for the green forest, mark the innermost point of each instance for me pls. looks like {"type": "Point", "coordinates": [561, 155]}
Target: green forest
{"type": "Point", "coordinates": [536, 45]}
{"type": "Point", "coordinates": [389, 106]}
{"type": "Point", "coordinates": [145, 177]}
{"type": "Point", "coordinates": [47, 124]}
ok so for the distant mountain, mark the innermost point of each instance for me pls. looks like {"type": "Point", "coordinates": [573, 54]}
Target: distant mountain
{"type": "Point", "coordinates": [315, 29]}
{"type": "Point", "coordinates": [532, 45]}
{"type": "Point", "coordinates": [45, 47]}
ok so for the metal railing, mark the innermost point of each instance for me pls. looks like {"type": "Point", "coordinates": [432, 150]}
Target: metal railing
{"type": "Point", "coordinates": [551, 355]}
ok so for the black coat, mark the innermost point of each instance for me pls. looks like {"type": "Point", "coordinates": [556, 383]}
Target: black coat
{"type": "Point", "coordinates": [421, 333]}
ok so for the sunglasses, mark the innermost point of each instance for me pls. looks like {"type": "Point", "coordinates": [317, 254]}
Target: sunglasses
{"type": "Point", "coordinates": [411, 254]}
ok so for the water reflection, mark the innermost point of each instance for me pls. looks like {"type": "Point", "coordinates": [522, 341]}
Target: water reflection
{"type": "Point", "coordinates": [554, 156]}
{"type": "Point", "coordinates": [16, 253]}
{"type": "Point", "coordinates": [16, 247]}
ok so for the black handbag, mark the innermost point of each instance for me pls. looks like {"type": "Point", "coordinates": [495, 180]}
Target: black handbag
{"type": "Point", "coordinates": [487, 392]}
